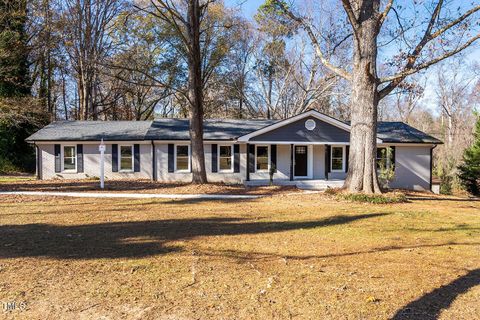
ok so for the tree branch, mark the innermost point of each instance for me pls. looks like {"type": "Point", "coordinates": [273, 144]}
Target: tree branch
{"type": "Point", "coordinates": [318, 50]}
{"type": "Point", "coordinates": [384, 14]}
{"type": "Point", "coordinates": [428, 36]}
{"type": "Point", "coordinates": [406, 72]}
{"type": "Point", "coordinates": [347, 6]}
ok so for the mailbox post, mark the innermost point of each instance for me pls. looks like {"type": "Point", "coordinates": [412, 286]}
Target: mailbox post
{"type": "Point", "coordinates": [102, 148]}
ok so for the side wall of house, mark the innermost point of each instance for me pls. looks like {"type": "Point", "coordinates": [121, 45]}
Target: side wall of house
{"type": "Point", "coordinates": [412, 168]}
{"type": "Point", "coordinates": [91, 163]}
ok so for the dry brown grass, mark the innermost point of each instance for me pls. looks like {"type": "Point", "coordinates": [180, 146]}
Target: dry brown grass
{"type": "Point", "coordinates": [138, 186]}
{"type": "Point", "coordinates": [281, 257]}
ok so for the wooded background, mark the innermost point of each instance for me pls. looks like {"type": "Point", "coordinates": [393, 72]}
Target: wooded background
{"type": "Point", "coordinates": [129, 60]}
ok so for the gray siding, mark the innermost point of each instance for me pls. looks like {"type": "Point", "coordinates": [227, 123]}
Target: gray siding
{"type": "Point", "coordinates": [296, 131]}
{"type": "Point", "coordinates": [318, 162]}
{"type": "Point", "coordinates": [91, 163]}
{"type": "Point", "coordinates": [412, 168]}
{"type": "Point", "coordinates": [228, 177]}
{"type": "Point", "coordinates": [412, 165]}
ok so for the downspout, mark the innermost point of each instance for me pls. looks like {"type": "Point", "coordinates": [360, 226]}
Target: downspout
{"type": "Point", "coordinates": [37, 161]}
{"type": "Point", "coordinates": [431, 165]}
{"type": "Point", "coordinates": [154, 162]}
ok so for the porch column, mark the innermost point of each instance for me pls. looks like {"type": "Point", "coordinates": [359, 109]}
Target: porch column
{"type": "Point", "coordinates": [292, 157]}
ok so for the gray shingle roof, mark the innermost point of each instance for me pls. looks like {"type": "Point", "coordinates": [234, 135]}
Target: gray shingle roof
{"type": "Point", "coordinates": [399, 132]}
{"type": "Point", "coordinates": [177, 129]}
{"type": "Point", "coordinates": [92, 131]}
{"type": "Point", "coordinates": [213, 129]}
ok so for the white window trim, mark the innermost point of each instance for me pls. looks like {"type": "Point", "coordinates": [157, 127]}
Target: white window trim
{"type": "Point", "coordinates": [175, 157]}
{"type": "Point", "coordinates": [62, 153]}
{"type": "Point", "coordinates": [232, 158]}
{"type": "Point", "coordinates": [343, 158]}
{"type": "Point", "coordinates": [269, 157]}
{"type": "Point", "coordinates": [120, 158]}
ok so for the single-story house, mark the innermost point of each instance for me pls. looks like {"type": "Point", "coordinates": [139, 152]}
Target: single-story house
{"type": "Point", "coordinates": [310, 147]}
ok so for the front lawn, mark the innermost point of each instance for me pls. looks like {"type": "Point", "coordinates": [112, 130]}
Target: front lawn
{"type": "Point", "coordinates": [288, 256]}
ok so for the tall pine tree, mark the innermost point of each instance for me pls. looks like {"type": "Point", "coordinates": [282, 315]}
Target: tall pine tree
{"type": "Point", "coordinates": [14, 75]}
{"type": "Point", "coordinates": [18, 113]}
{"type": "Point", "coordinates": [470, 169]}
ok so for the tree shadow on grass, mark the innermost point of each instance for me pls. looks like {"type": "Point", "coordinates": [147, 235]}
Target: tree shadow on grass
{"type": "Point", "coordinates": [257, 256]}
{"type": "Point", "coordinates": [430, 305]}
{"type": "Point", "coordinates": [139, 238]}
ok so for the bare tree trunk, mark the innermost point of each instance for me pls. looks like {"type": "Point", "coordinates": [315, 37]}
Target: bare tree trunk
{"type": "Point", "coordinates": [362, 174]}
{"type": "Point", "coordinates": [269, 97]}
{"type": "Point", "coordinates": [195, 94]}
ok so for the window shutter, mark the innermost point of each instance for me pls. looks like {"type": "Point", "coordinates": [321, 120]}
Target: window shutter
{"type": "Point", "coordinates": [347, 154]}
{"type": "Point", "coordinates": [136, 158]}
{"type": "Point", "coordinates": [80, 158]}
{"type": "Point", "coordinates": [171, 164]}
{"type": "Point", "coordinates": [114, 157]}
{"type": "Point", "coordinates": [214, 158]}
{"type": "Point", "coordinates": [393, 158]}
{"type": "Point", "coordinates": [273, 157]}
{"type": "Point", "coordinates": [58, 159]}
{"type": "Point", "coordinates": [327, 161]}
{"type": "Point", "coordinates": [251, 158]}
{"type": "Point", "coordinates": [236, 158]}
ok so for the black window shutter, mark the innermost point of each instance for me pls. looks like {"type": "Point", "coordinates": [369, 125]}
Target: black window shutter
{"type": "Point", "coordinates": [80, 158]}
{"type": "Point", "coordinates": [273, 157]}
{"type": "Point", "coordinates": [347, 154]}
{"type": "Point", "coordinates": [58, 159]}
{"type": "Point", "coordinates": [114, 157]}
{"type": "Point", "coordinates": [136, 158]}
{"type": "Point", "coordinates": [251, 162]}
{"type": "Point", "coordinates": [171, 164]}
{"type": "Point", "coordinates": [236, 158]}
{"type": "Point", "coordinates": [214, 157]}
{"type": "Point", "coordinates": [393, 158]}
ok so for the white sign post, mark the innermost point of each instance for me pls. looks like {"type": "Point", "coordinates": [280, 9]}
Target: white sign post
{"type": "Point", "coordinates": [102, 148]}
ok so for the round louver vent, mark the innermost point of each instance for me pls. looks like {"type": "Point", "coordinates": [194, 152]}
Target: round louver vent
{"type": "Point", "coordinates": [310, 124]}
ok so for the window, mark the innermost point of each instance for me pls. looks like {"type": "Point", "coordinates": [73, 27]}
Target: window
{"type": "Point", "coordinates": [182, 158]}
{"type": "Point", "coordinates": [126, 158]}
{"type": "Point", "coordinates": [225, 158]}
{"type": "Point", "coordinates": [337, 159]}
{"type": "Point", "coordinates": [69, 158]}
{"type": "Point", "coordinates": [262, 158]}
{"type": "Point", "coordinates": [384, 157]}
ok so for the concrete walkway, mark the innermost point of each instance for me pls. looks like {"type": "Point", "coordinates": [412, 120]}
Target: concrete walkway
{"type": "Point", "coordinates": [132, 195]}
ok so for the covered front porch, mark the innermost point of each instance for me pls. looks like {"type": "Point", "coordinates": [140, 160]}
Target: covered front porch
{"type": "Point", "coordinates": [306, 165]}
{"type": "Point", "coordinates": [308, 150]}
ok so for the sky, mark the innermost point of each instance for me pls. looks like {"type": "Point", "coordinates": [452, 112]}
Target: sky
{"type": "Point", "coordinates": [248, 8]}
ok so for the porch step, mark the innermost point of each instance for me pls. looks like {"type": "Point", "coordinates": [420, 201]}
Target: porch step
{"type": "Point", "coordinates": [319, 184]}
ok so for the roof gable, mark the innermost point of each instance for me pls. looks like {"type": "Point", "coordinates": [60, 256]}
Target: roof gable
{"type": "Point", "coordinates": [297, 132]}
{"type": "Point", "coordinates": [294, 127]}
